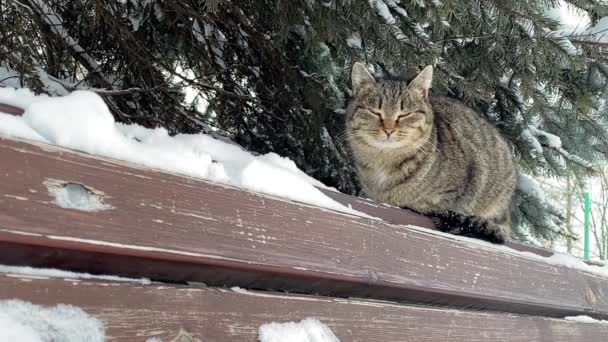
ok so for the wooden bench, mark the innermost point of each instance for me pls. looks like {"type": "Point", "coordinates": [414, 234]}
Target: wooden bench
{"type": "Point", "coordinates": [265, 259]}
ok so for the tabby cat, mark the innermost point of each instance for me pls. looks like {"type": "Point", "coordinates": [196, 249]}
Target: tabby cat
{"type": "Point", "coordinates": [431, 154]}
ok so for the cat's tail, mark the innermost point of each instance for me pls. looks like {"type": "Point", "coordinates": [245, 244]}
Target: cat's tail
{"type": "Point", "coordinates": [495, 231]}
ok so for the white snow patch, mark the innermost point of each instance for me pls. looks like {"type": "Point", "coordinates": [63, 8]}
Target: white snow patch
{"type": "Point", "coordinates": [585, 319]}
{"type": "Point", "coordinates": [13, 126]}
{"type": "Point", "coordinates": [354, 41]}
{"type": "Point", "coordinates": [25, 322]}
{"type": "Point", "coordinates": [307, 330]}
{"type": "Point", "coordinates": [382, 10]}
{"type": "Point", "coordinates": [55, 273]}
{"type": "Point", "coordinates": [20, 97]}
{"type": "Point", "coordinates": [531, 187]}
{"type": "Point", "coordinates": [83, 122]}
{"type": "Point", "coordinates": [551, 140]}
{"type": "Point", "coordinates": [599, 32]}
{"type": "Point", "coordinates": [571, 19]}
{"type": "Point", "coordinates": [76, 196]}
{"type": "Point", "coordinates": [536, 148]}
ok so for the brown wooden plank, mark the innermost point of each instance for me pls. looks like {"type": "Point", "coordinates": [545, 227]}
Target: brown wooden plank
{"type": "Point", "coordinates": [132, 312]}
{"type": "Point", "coordinates": [8, 109]}
{"type": "Point", "coordinates": [396, 215]}
{"type": "Point", "coordinates": [165, 226]}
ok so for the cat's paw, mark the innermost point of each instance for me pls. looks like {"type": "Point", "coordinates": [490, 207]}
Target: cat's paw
{"type": "Point", "coordinates": [469, 226]}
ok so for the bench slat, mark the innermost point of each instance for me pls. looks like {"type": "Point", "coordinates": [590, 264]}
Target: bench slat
{"type": "Point", "coordinates": [132, 312]}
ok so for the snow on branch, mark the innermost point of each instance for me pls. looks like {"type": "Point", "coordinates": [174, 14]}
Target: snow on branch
{"type": "Point", "coordinates": [399, 10]}
{"type": "Point", "coordinates": [551, 140]}
{"type": "Point", "coordinates": [536, 148]}
{"type": "Point", "coordinates": [383, 11]}
{"type": "Point", "coordinates": [531, 187]}
{"type": "Point", "coordinates": [577, 160]}
{"type": "Point", "coordinates": [597, 34]}
{"type": "Point", "coordinates": [539, 139]}
{"type": "Point", "coordinates": [54, 21]}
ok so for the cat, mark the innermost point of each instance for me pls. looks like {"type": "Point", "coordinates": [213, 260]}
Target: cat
{"type": "Point", "coordinates": [431, 154]}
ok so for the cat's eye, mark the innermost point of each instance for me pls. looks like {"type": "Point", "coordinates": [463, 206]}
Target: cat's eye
{"type": "Point", "coordinates": [401, 104]}
{"type": "Point", "coordinates": [376, 113]}
{"type": "Point", "coordinates": [404, 115]}
{"type": "Point", "coordinates": [401, 116]}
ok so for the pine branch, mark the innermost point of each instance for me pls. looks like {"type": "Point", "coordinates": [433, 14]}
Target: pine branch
{"type": "Point", "coordinates": [55, 23]}
{"type": "Point", "coordinates": [576, 160]}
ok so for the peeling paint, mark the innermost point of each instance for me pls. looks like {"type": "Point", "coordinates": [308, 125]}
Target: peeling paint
{"type": "Point", "coordinates": [20, 198]}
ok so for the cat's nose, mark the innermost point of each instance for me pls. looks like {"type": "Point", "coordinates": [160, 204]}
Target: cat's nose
{"type": "Point", "coordinates": [388, 131]}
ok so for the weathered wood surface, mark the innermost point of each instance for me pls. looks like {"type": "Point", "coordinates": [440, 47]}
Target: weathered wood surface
{"type": "Point", "coordinates": [400, 216]}
{"type": "Point", "coordinates": [133, 312]}
{"type": "Point", "coordinates": [6, 108]}
{"type": "Point", "coordinates": [169, 227]}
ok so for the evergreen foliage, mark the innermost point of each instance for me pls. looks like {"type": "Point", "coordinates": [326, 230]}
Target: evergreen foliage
{"type": "Point", "coordinates": [274, 75]}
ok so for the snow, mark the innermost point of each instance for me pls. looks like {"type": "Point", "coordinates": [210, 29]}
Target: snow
{"type": "Point", "coordinates": [76, 196]}
{"type": "Point", "coordinates": [55, 273]}
{"type": "Point", "coordinates": [82, 121]}
{"type": "Point", "coordinates": [572, 262]}
{"type": "Point", "coordinates": [20, 97]}
{"type": "Point", "coordinates": [530, 187]}
{"type": "Point", "coordinates": [55, 23]}
{"type": "Point", "coordinates": [551, 140]}
{"type": "Point", "coordinates": [536, 148]}
{"type": "Point", "coordinates": [382, 10]}
{"type": "Point", "coordinates": [198, 32]}
{"type": "Point", "coordinates": [354, 41]}
{"type": "Point", "coordinates": [307, 330]}
{"type": "Point", "coordinates": [400, 10]}
{"type": "Point", "coordinates": [571, 19]}
{"type": "Point", "coordinates": [25, 322]}
{"type": "Point", "coordinates": [585, 319]}
{"type": "Point", "coordinates": [599, 32]}
{"type": "Point", "coordinates": [575, 23]}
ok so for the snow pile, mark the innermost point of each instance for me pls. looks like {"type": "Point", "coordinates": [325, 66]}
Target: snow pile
{"type": "Point", "coordinates": [569, 261]}
{"type": "Point", "coordinates": [25, 322]}
{"type": "Point", "coordinates": [307, 330]}
{"type": "Point", "coordinates": [530, 187]}
{"type": "Point", "coordinates": [83, 122]}
{"type": "Point", "coordinates": [585, 319]}
{"type": "Point", "coordinates": [55, 273]}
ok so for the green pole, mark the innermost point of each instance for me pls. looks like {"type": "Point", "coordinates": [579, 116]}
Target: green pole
{"type": "Point", "coordinates": [587, 223]}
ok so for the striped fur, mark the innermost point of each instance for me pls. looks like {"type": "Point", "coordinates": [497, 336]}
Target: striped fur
{"type": "Point", "coordinates": [430, 154]}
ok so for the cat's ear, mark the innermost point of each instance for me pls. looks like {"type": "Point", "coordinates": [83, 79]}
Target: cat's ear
{"type": "Point", "coordinates": [361, 77]}
{"type": "Point", "coordinates": [423, 80]}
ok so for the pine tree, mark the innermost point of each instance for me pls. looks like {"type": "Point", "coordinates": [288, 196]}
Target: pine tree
{"type": "Point", "coordinates": [274, 75]}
